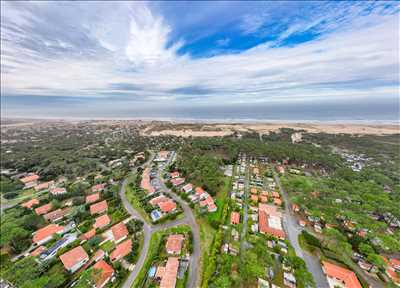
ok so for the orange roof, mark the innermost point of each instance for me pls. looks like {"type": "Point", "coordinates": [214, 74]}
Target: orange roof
{"type": "Point", "coordinates": [155, 201]}
{"type": "Point", "coordinates": [145, 183]}
{"type": "Point", "coordinates": [264, 211]}
{"type": "Point", "coordinates": [58, 191]}
{"type": "Point", "coordinates": [119, 231]}
{"type": "Point", "coordinates": [235, 218]}
{"type": "Point", "coordinates": [102, 221]}
{"type": "Point", "coordinates": [29, 178]}
{"type": "Point", "coordinates": [212, 207]}
{"type": "Point", "coordinates": [345, 275]}
{"type": "Point", "coordinates": [275, 194]}
{"type": "Point", "coordinates": [121, 250]}
{"type": "Point", "coordinates": [167, 206]}
{"type": "Point", "coordinates": [171, 270]}
{"type": "Point", "coordinates": [88, 235]}
{"type": "Point", "coordinates": [106, 272]}
{"type": "Point", "coordinates": [98, 187]}
{"type": "Point", "coordinates": [92, 198]}
{"type": "Point", "coordinates": [43, 209]}
{"type": "Point", "coordinates": [47, 231]}
{"type": "Point", "coordinates": [38, 251]}
{"type": "Point", "coordinates": [73, 256]}
{"type": "Point", "coordinates": [56, 214]}
{"type": "Point", "coordinates": [174, 243]}
{"type": "Point", "coordinates": [199, 190]}
{"type": "Point", "coordinates": [43, 186]}
{"type": "Point", "coordinates": [175, 174]}
{"type": "Point", "coordinates": [98, 207]}
{"type": "Point", "coordinates": [29, 204]}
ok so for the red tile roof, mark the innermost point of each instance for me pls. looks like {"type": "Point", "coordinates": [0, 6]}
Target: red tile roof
{"type": "Point", "coordinates": [58, 191]}
{"type": "Point", "coordinates": [102, 221]}
{"type": "Point", "coordinates": [99, 207]}
{"type": "Point", "coordinates": [177, 181]}
{"type": "Point", "coordinates": [43, 186]}
{"type": "Point", "coordinates": [345, 275]}
{"type": "Point", "coordinates": [106, 272]}
{"type": "Point", "coordinates": [29, 204]}
{"type": "Point", "coordinates": [98, 187]}
{"type": "Point", "coordinates": [29, 178]}
{"type": "Point", "coordinates": [145, 183]}
{"type": "Point", "coordinates": [88, 235]}
{"type": "Point", "coordinates": [92, 198]}
{"type": "Point", "coordinates": [121, 250]}
{"type": "Point", "coordinates": [38, 251]}
{"type": "Point", "coordinates": [199, 191]}
{"type": "Point", "coordinates": [167, 206]}
{"type": "Point", "coordinates": [56, 214]}
{"type": "Point", "coordinates": [155, 201]}
{"type": "Point", "coordinates": [74, 256]}
{"type": "Point", "coordinates": [119, 231]}
{"type": "Point", "coordinates": [264, 212]}
{"type": "Point", "coordinates": [175, 174]}
{"type": "Point", "coordinates": [171, 270]}
{"type": "Point", "coordinates": [47, 231]}
{"type": "Point", "coordinates": [43, 209]}
{"type": "Point", "coordinates": [235, 218]}
{"type": "Point", "coordinates": [174, 243]}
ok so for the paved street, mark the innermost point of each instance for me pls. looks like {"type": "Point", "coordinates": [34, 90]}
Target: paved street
{"type": "Point", "coordinates": [149, 229]}
{"type": "Point", "coordinates": [293, 229]}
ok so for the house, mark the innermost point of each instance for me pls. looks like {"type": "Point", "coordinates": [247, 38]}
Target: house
{"type": "Point", "coordinates": [200, 192]}
{"type": "Point", "coordinates": [46, 233]}
{"type": "Point", "coordinates": [168, 279]}
{"type": "Point", "coordinates": [177, 181]}
{"type": "Point", "coordinates": [340, 277]}
{"type": "Point", "coordinates": [270, 221]}
{"type": "Point", "coordinates": [56, 215]}
{"type": "Point", "coordinates": [235, 218]}
{"type": "Point", "coordinates": [162, 156]}
{"type": "Point", "coordinates": [392, 269]}
{"type": "Point", "coordinates": [146, 183]}
{"type": "Point", "coordinates": [167, 206]}
{"type": "Point", "coordinates": [29, 204]}
{"type": "Point", "coordinates": [157, 200]}
{"type": "Point", "coordinates": [30, 180]}
{"type": "Point", "coordinates": [174, 174]}
{"type": "Point", "coordinates": [101, 221]}
{"type": "Point", "coordinates": [74, 259]}
{"type": "Point", "coordinates": [98, 187]}
{"type": "Point", "coordinates": [88, 235]}
{"type": "Point", "coordinates": [61, 243]}
{"type": "Point", "coordinates": [289, 280]}
{"type": "Point", "coordinates": [106, 273]}
{"type": "Point", "coordinates": [43, 186]}
{"type": "Point", "coordinates": [119, 232]}
{"type": "Point", "coordinates": [44, 209]}
{"type": "Point", "coordinates": [99, 207]}
{"type": "Point", "coordinates": [174, 243]}
{"type": "Point", "coordinates": [187, 188]}
{"type": "Point", "coordinates": [209, 203]}
{"type": "Point", "coordinates": [92, 198]}
{"type": "Point", "coordinates": [58, 191]}
{"type": "Point", "coordinates": [121, 250]}
{"type": "Point", "coordinates": [39, 250]}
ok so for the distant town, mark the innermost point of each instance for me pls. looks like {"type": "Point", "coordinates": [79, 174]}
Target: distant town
{"type": "Point", "coordinates": [102, 204]}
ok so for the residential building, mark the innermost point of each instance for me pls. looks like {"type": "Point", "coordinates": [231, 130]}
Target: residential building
{"type": "Point", "coordinates": [168, 279]}
{"type": "Point", "coordinates": [92, 198]}
{"type": "Point", "coordinates": [29, 204]}
{"type": "Point", "coordinates": [58, 191]}
{"type": "Point", "coordinates": [101, 221]}
{"type": "Point", "coordinates": [235, 218]}
{"type": "Point", "coordinates": [99, 207]}
{"type": "Point", "coordinates": [46, 233]}
{"type": "Point", "coordinates": [340, 277]}
{"type": "Point", "coordinates": [119, 232]}
{"type": "Point", "coordinates": [98, 188]}
{"type": "Point", "coordinates": [74, 259]}
{"type": "Point", "coordinates": [270, 221]}
{"type": "Point", "coordinates": [121, 250]}
{"type": "Point", "coordinates": [174, 243]}
{"type": "Point", "coordinates": [44, 209]}
{"type": "Point", "coordinates": [106, 273]}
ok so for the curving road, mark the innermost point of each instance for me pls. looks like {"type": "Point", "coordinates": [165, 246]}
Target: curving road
{"type": "Point", "coordinates": [293, 230]}
{"type": "Point", "coordinates": [149, 229]}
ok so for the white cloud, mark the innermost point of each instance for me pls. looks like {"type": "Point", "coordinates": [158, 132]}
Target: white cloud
{"type": "Point", "coordinates": [360, 62]}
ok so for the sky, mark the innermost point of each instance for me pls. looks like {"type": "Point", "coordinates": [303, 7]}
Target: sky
{"type": "Point", "coordinates": [223, 60]}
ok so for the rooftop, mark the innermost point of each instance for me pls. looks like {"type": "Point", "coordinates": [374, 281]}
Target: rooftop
{"type": "Point", "coordinates": [98, 207]}
{"type": "Point", "coordinates": [121, 250]}
{"type": "Point", "coordinates": [345, 275]}
{"type": "Point", "coordinates": [174, 243]}
{"type": "Point", "coordinates": [73, 256]}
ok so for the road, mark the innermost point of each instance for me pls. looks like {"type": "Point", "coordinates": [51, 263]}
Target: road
{"type": "Point", "coordinates": [243, 242]}
{"type": "Point", "coordinates": [293, 229]}
{"type": "Point", "coordinates": [190, 220]}
{"type": "Point", "coordinates": [149, 229]}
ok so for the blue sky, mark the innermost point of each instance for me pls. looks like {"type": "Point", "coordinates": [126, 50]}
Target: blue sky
{"type": "Point", "coordinates": [103, 56]}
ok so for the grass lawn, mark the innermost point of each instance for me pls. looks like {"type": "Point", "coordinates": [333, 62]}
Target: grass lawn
{"type": "Point", "coordinates": [108, 246]}
{"type": "Point", "coordinates": [133, 200]}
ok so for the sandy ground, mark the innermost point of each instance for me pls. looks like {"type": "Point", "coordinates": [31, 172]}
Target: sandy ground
{"type": "Point", "coordinates": [209, 130]}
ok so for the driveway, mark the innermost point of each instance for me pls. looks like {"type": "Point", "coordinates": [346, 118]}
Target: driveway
{"type": "Point", "coordinates": [293, 229]}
